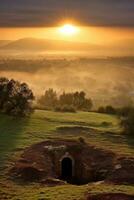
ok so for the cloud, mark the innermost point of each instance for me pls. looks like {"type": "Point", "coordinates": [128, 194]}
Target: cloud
{"type": "Point", "coordinates": [36, 13]}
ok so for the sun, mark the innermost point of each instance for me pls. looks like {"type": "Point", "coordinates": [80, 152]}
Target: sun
{"type": "Point", "coordinates": [68, 30]}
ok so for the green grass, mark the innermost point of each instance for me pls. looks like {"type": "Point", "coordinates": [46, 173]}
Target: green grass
{"type": "Point", "coordinates": [65, 192]}
{"type": "Point", "coordinates": [20, 133]}
{"type": "Point", "coordinates": [17, 134]}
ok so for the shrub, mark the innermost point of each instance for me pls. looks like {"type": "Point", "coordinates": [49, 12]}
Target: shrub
{"type": "Point", "coordinates": [124, 111]}
{"type": "Point", "coordinates": [101, 109]}
{"type": "Point", "coordinates": [127, 123]}
{"type": "Point", "coordinates": [108, 110]}
{"type": "Point", "coordinates": [65, 108]}
{"type": "Point", "coordinates": [106, 124]}
{"type": "Point", "coordinates": [81, 140]}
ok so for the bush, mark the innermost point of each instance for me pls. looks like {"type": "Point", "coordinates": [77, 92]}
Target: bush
{"type": "Point", "coordinates": [101, 109]}
{"type": "Point", "coordinates": [106, 124]}
{"type": "Point", "coordinates": [65, 108]}
{"type": "Point", "coordinates": [124, 112]}
{"type": "Point", "coordinates": [127, 123]}
{"type": "Point", "coordinates": [81, 140]}
{"type": "Point", "coordinates": [108, 110]}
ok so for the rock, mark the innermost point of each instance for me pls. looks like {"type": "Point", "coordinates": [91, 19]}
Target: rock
{"type": "Point", "coordinates": [27, 173]}
{"type": "Point", "coordinates": [123, 173]}
{"type": "Point", "coordinates": [118, 166]}
{"type": "Point", "coordinates": [53, 182]}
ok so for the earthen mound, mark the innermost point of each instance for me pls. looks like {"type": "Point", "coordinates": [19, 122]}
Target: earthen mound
{"type": "Point", "coordinates": [73, 161]}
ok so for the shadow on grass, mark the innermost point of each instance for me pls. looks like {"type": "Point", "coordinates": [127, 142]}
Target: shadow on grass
{"type": "Point", "coordinates": [130, 140]}
{"type": "Point", "coordinates": [11, 130]}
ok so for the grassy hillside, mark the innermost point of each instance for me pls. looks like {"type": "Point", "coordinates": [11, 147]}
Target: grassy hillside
{"type": "Point", "coordinates": [15, 134]}
{"type": "Point", "coordinates": [20, 133]}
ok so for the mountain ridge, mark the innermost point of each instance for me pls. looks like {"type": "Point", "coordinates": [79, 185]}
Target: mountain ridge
{"type": "Point", "coordinates": [46, 44]}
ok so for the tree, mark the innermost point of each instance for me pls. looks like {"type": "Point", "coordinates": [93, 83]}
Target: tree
{"type": "Point", "coordinates": [101, 109]}
{"type": "Point", "coordinates": [15, 97]}
{"type": "Point", "coordinates": [124, 111]}
{"type": "Point", "coordinates": [65, 101]}
{"type": "Point", "coordinates": [49, 99]}
{"type": "Point", "coordinates": [110, 110]}
{"type": "Point", "coordinates": [77, 99]}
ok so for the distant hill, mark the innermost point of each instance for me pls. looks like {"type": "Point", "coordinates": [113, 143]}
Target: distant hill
{"type": "Point", "coordinates": [125, 44]}
{"type": "Point", "coordinates": [4, 42]}
{"type": "Point", "coordinates": [116, 48]}
{"type": "Point", "coordinates": [44, 44]}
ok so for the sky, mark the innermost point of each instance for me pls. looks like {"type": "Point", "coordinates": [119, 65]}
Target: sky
{"type": "Point", "coordinates": [36, 13]}
{"type": "Point", "coordinates": [39, 18]}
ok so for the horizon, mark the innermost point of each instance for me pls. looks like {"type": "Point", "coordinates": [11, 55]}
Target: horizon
{"type": "Point", "coordinates": [95, 35]}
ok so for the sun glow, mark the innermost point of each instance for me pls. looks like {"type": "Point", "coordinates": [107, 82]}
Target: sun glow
{"type": "Point", "coordinates": [68, 30]}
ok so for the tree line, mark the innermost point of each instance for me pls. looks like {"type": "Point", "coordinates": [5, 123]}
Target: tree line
{"type": "Point", "coordinates": [65, 102]}
{"type": "Point", "coordinates": [17, 98]}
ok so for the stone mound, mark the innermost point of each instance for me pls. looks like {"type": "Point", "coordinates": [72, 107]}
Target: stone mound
{"type": "Point", "coordinates": [73, 161]}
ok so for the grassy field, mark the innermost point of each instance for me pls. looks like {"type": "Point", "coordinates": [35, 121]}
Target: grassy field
{"type": "Point", "coordinates": [17, 134]}
{"type": "Point", "coordinates": [65, 192]}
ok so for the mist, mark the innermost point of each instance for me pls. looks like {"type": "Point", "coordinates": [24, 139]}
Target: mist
{"type": "Point", "coordinates": [105, 80]}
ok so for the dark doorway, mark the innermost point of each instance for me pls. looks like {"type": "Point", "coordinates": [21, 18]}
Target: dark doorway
{"type": "Point", "coordinates": [67, 169]}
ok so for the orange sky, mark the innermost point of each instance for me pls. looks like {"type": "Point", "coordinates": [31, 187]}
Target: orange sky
{"type": "Point", "coordinates": [98, 35]}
